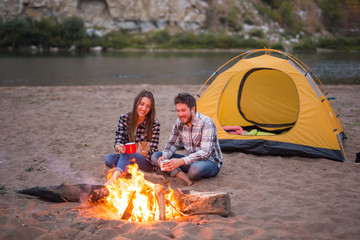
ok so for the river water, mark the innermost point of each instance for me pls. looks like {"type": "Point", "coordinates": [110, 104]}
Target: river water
{"type": "Point", "coordinates": [115, 68]}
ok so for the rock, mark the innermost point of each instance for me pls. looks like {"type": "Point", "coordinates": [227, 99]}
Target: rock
{"type": "Point", "coordinates": [96, 49]}
{"type": "Point", "coordinates": [142, 15]}
{"type": "Point", "coordinates": [173, 16]}
{"type": "Point", "coordinates": [54, 49]}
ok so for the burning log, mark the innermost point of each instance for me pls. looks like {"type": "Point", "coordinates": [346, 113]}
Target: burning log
{"type": "Point", "coordinates": [160, 197]}
{"type": "Point", "coordinates": [127, 213]}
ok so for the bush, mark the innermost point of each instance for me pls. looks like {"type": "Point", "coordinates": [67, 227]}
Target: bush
{"type": "Point", "coordinates": [306, 45]}
{"type": "Point", "coordinates": [247, 18]}
{"type": "Point", "coordinates": [257, 33]}
{"type": "Point", "coordinates": [278, 46]}
{"type": "Point", "coordinates": [250, 44]}
{"type": "Point", "coordinates": [340, 43]}
{"type": "Point", "coordinates": [226, 41]}
{"type": "Point", "coordinates": [19, 33]}
{"type": "Point", "coordinates": [117, 40]}
{"type": "Point", "coordinates": [138, 41]}
{"type": "Point", "coordinates": [286, 14]}
{"type": "Point", "coordinates": [161, 37]}
{"type": "Point", "coordinates": [233, 18]}
{"type": "Point", "coordinates": [272, 14]}
{"type": "Point", "coordinates": [183, 40]}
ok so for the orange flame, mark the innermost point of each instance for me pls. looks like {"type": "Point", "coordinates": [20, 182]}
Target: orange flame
{"type": "Point", "coordinates": [136, 198]}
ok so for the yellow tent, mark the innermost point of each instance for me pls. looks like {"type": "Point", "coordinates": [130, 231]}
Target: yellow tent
{"type": "Point", "coordinates": [273, 97]}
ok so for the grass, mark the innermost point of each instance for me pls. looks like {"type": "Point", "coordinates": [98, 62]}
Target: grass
{"type": "Point", "coordinates": [29, 169]}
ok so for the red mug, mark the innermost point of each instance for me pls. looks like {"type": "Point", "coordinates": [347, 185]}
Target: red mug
{"type": "Point", "coordinates": [130, 148]}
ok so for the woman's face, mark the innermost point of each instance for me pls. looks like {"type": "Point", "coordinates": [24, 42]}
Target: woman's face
{"type": "Point", "coordinates": [144, 107]}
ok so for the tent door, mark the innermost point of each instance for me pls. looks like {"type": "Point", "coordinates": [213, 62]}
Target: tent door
{"type": "Point", "coordinates": [263, 98]}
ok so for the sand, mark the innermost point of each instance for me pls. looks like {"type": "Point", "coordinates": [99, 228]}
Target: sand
{"type": "Point", "coordinates": [51, 135]}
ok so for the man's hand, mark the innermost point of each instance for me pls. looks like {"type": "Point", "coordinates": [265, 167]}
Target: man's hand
{"type": "Point", "coordinates": [173, 163]}
{"type": "Point", "coordinates": [163, 157]}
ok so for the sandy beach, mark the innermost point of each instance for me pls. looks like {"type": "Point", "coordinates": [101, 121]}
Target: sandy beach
{"type": "Point", "coordinates": [52, 135]}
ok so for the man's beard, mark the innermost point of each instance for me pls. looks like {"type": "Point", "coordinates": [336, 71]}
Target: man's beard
{"type": "Point", "coordinates": [190, 119]}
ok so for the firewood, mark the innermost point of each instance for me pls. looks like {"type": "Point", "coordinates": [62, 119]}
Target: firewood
{"type": "Point", "coordinates": [160, 197]}
{"type": "Point", "coordinates": [67, 192]}
{"type": "Point", "coordinates": [195, 203]}
{"type": "Point", "coordinates": [128, 211]}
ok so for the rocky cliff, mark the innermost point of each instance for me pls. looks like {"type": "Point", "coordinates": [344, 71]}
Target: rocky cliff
{"type": "Point", "coordinates": [132, 15]}
{"type": "Point", "coordinates": [172, 15]}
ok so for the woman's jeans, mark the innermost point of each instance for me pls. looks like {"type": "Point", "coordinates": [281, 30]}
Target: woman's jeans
{"type": "Point", "coordinates": [195, 171]}
{"type": "Point", "coordinates": [121, 161]}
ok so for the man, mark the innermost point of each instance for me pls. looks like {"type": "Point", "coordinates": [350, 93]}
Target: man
{"type": "Point", "coordinates": [198, 133]}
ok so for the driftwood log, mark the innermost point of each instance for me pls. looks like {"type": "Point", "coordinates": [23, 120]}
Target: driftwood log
{"type": "Point", "coordinates": [68, 192]}
{"type": "Point", "coordinates": [190, 202]}
{"type": "Point", "coordinates": [196, 203]}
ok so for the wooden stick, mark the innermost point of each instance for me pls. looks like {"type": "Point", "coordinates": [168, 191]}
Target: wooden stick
{"type": "Point", "coordinates": [164, 182]}
{"type": "Point", "coordinates": [182, 214]}
{"type": "Point", "coordinates": [160, 197]}
{"type": "Point", "coordinates": [128, 211]}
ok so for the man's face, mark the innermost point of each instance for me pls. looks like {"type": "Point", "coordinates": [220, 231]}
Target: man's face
{"type": "Point", "coordinates": [185, 114]}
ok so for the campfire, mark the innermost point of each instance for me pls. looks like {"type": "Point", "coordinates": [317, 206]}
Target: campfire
{"type": "Point", "coordinates": [136, 199]}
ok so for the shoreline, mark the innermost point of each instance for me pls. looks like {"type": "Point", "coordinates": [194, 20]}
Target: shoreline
{"type": "Point", "coordinates": [99, 49]}
{"type": "Point", "coordinates": [56, 134]}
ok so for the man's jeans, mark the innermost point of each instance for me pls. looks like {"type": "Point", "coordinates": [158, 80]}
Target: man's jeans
{"type": "Point", "coordinates": [121, 161]}
{"type": "Point", "coordinates": [195, 171]}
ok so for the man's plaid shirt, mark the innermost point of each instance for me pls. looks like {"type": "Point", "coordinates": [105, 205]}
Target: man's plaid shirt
{"type": "Point", "coordinates": [200, 140]}
{"type": "Point", "coordinates": [122, 136]}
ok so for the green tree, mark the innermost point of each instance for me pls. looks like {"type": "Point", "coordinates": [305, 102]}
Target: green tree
{"type": "Point", "coordinates": [332, 14]}
{"type": "Point", "coordinates": [72, 29]}
{"type": "Point", "coordinates": [11, 32]}
{"type": "Point", "coordinates": [286, 14]}
{"type": "Point", "coordinates": [41, 32]}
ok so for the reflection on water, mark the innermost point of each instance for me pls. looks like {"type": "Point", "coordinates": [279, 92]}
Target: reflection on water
{"type": "Point", "coordinates": [334, 68]}
{"type": "Point", "coordinates": [114, 68]}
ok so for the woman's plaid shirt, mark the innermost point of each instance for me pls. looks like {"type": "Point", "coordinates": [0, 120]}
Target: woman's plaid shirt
{"type": "Point", "coordinates": [122, 136]}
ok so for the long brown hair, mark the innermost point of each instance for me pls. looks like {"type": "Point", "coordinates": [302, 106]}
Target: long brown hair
{"type": "Point", "coordinates": [150, 116]}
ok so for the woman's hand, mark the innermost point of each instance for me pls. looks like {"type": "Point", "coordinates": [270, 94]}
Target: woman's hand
{"type": "Point", "coordinates": [143, 147]}
{"type": "Point", "coordinates": [120, 148]}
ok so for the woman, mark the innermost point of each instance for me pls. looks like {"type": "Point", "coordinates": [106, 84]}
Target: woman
{"type": "Point", "coordinates": [139, 126]}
